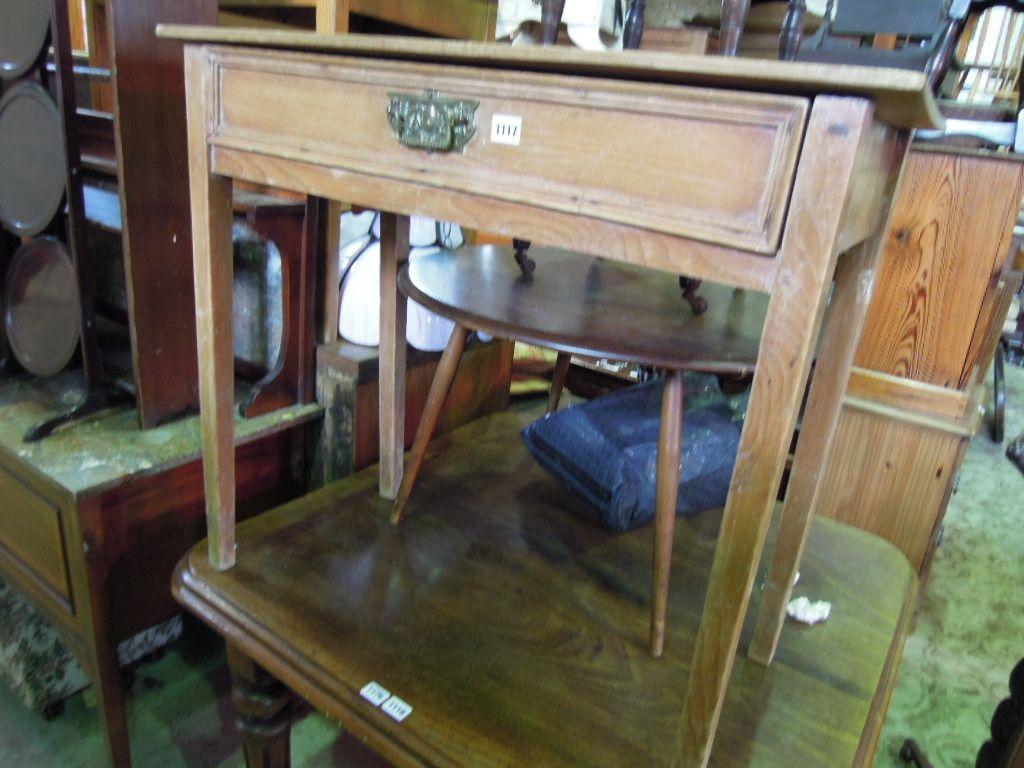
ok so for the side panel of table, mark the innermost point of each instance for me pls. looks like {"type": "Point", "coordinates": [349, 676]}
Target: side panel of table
{"type": "Point", "coordinates": [912, 404]}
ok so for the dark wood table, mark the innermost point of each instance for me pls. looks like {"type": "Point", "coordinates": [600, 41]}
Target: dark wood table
{"type": "Point", "coordinates": [590, 306]}
{"type": "Point", "coordinates": [513, 627]}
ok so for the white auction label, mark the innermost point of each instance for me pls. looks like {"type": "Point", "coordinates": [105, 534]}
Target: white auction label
{"type": "Point", "coordinates": [375, 693]}
{"type": "Point", "coordinates": [506, 129]}
{"type": "Point", "coordinates": [397, 708]}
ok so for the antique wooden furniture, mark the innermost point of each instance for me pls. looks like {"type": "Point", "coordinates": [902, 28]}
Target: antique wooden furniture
{"type": "Point", "coordinates": [465, 19]}
{"type": "Point", "coordinates": [42, 169]}
{"type": "Point", "coordinates": [500, 623]}
{"type": "Point", "coordinates": [586, 306]}
{"type": "Point", "coordinates": [572, 104]}
{"type": "Point", "coordinates": [912, 402]}
{"type": "Point", "coordinates": [137, 129]}
{"type": "Point", "coordinates": [347, 388]}
{"type": "Point", "coordinates": [95, 517]}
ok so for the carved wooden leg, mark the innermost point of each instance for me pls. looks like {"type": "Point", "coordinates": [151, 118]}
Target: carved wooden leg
{"type": "Point", "coordinates": [394, 251]}
{"type": "Point", "coordinates": [792, 32]}
{"type": "Point", "coordinates": [558, 380]}
{"type": "Point", "coordinates": [670, 450]}
{"type": "Point", "coordinates": [263, 712]}
{"type": "Point", "coordinates": [521, 249]}
{"type": "Point", "coordinates": [212, 258]}
{"type": "Point", "coordinates": [550, 19]}
{"type": "Point", "coordinates": [439, 388]}
{"type": "Point", "coordinates": [734, 19]}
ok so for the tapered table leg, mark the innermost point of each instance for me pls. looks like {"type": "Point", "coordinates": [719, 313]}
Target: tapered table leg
{"type": "Point", "coordinates": [214, 272]}
{"type": "Point", "coordinates": [841, 130]}
{"type": "Point", "coordinates": [840, 338]}
{"type": "Point", "coordinates": [670, 452]}
{"type": "Point", "coordinates": [439, 389]}
{"type": "Point", "coordinates": [558, 380]}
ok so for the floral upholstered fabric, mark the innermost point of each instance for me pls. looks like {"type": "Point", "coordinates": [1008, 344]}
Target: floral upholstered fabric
{"type": "Point", "coordinates": [36, 663]}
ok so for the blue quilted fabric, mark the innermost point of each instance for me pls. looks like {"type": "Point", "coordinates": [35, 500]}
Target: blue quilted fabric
{"type": "Point", "coordinates": [606, 450]}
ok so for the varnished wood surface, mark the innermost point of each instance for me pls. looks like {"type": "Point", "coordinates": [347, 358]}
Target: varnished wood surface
{"type": "Point", "coordinates": [517, 631]}
{"type": "Point", "coordinates": [590, 306]}
{"type": "Point", "coordinates": [150, 141]}
{"type": "Point", "coordinates": [902, 97]}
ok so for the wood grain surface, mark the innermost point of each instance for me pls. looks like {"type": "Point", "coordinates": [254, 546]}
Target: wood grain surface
{"type": "Point", "coordinates": [902, 97]}
{"type": "Point", "coordinates": [589, 306]}
{"type": "Point", "coordinates": [685, 188]}
{"type": "Point", "coordinates": [947, 243]}
{"type": "Point", "coordinates": [516, 629]}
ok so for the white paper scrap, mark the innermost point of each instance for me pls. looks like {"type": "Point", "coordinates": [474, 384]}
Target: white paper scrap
{"type": "Point", "coordinates": [808, 611]}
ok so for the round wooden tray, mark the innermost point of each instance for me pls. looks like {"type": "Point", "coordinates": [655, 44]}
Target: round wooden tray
{"type": "Point", "coordinates": [590, 306]}
{"type": "Point", "coordinates": [24, 25]}
{"type": "Point", "coordinates": [32, 162]}
{"type": "Point", "coordinates": [41, 309]}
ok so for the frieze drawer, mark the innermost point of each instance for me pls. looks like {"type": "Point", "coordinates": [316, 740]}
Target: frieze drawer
{"type": "Point", "coordinates": [712, 165]}
{"type": "Point", "coordinates": [31, 537]}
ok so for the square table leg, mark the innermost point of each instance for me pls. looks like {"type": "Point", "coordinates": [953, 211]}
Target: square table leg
{"type": "Point", "coordinates": [214, 272]}
{"type": "Point", "coordinates": [855, 275]}
{"type": "Point", "coordinates": [837, 130]}
{"type": "Point", "coordinates": [394, 251]}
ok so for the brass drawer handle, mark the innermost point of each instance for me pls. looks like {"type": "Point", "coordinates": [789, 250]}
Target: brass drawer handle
{"type": "Point", "coordinates": [432, 123]}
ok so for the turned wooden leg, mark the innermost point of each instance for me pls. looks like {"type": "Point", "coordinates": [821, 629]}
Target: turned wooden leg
{"type": "Point", "coordinates": [734, 19]}
{"type": "Point", "coordinates": [263, 712]}
{"type": "Point", "coordinates": [670, 449]}
{"type": "Point", "coordinates": [633, 31]}
{"type": "Point", "coordinates": [558, 380]}
{"type": "Point", "coordinates": [439, 388]}
{"type": "Point", "coordinates": [550, 19]}
{"type": "Point", "coordinates": [792, 32]}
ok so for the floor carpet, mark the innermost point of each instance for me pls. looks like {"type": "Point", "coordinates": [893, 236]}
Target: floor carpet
{"type": "Point", "coordinates": [969, 634]}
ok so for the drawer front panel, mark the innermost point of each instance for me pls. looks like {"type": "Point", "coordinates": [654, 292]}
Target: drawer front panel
{"type": "Point", "coordinates": [711, 165]}
{"type": "Point", "coordinates": [30, 533]}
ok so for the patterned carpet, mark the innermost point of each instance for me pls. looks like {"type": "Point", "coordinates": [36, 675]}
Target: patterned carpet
{"type": "Point", "coordinates": [970, 629]}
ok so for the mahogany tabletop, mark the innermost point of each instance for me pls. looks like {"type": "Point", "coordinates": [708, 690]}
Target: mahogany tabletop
{"type": "Point", "coordinates": [590, 306]}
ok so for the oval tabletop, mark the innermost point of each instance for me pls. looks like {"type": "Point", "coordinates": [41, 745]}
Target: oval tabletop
{"type": "Point", "coordinates": [32, 162]}
{"type": "Point", "coordinates": [590, 306]}
{"type": "Point", "coordinates": [41, 307]}
{"type": "Point", "coordinates": [23, 32]}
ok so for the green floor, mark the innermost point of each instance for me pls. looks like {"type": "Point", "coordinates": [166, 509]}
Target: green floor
{"type": "Point", "coordinates": [969, 634]}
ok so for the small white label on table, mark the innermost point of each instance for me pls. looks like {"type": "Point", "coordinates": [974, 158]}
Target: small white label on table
{"type": "Point", "coordinates": [506, 129]}
{"type": "Point", "coordinates": [375, 693]}
{"type": "Point", "coordinates": [397, 708]}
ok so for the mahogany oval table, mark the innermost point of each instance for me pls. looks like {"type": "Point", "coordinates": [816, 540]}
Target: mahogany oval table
{"type": "Point", "coordinates": [577, 304]}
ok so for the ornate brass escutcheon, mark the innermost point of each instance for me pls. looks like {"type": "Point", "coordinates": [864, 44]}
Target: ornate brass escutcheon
{"type": "Point", "coordinates": [432, 123]}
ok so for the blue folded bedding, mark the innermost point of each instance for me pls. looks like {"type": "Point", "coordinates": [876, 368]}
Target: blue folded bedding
{"type": "Point", "coordinates": [606, 450]}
